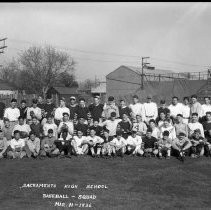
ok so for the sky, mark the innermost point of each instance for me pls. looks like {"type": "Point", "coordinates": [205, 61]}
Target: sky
{"type": "Point", "coordinates": [103, 36]}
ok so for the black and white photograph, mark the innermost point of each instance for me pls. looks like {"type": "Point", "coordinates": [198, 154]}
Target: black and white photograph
{"type": "Point", "coordinates": [105, 106]}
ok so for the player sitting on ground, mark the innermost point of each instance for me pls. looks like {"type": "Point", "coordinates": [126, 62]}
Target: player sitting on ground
{"type": "Point", "coordinates": [17, 148]}
{"type": "Point", "coordinates": [48, 147]}
{"type": "Point", "coordinates": [118, 145]}
{"type": "Point", "coordinates": [95, 143]}
{"type": "Point", "coordinates": [64, 142]}
{"type": "Point", "coordinates": [164, 146]}
{"type": "Point", "coordinates": [106, 149]}
{"type": "Point", "coordinates": [134, 144]}
{"type": "Point", "coordinates": [198, 144]}
{"type": "Point", "coordinates": [149, 144]}
{"type": "Point", "coordinates": [79, 144]}
{"type": "Point", "coordinates": [181, 146]}
{"type": "Point", "coordinates": [33, 144]}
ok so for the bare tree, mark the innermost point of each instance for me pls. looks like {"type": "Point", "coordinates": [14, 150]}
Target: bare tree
{"type": "Point", "coordinates": [41, 67]}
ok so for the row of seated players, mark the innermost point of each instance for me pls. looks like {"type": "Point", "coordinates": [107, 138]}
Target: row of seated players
{"type": "Point", "coordinates": [106, 145]}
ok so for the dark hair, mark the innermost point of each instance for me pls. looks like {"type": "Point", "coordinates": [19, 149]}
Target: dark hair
{"type": "Point", "coordinates": [208, 113]}
{"type": "Point", "coordinates": [113, 114]}
{"type": "Point", "coordinates": [194, 96]}
{"type": "Point", "coordinates": [34, 101]}
{"type": "Point", "coordinates": [65, 113]}
{"type": "Point", "coordinates": [16, 131]}
{"type": "Point", "coordinates": [162, 101]}
{"type": "Point", "coordinates": [13, 100]}
{"type": "Point", "coordinates": [179, 115]}
{"type": "Point", "coordinates": [135, 96]}
{"type": "Point", "coordinates": [110, 98]}
{"type": "Point", "coordinates": [152, 120]}
{"type": "Point", "coordinates": [32, 133]}
{"type": "Point", "coordinates": [149, 130]}
{"type": "Point", "coordinates": [182, 134]}
{"type": "Point", "coordinates": [195, 114]}
{"type": "Point", "coordinates": [106, 130]}
{"type": "Point", "coordinates": [165, 133]}
{"type": "Point", "coordinates": [21, 117]}
{"type": "Point", "coordinates": [23, 101]}
{"type": "Point", "coordinates": [50, 130]}
{"type": "Point", "coordinates": [207, 97]}
{"type": "Point", "coordinates": [186, 98]}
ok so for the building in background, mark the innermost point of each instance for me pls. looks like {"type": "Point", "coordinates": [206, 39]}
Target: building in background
{"type": "Point", "coordinates": [125, 81]}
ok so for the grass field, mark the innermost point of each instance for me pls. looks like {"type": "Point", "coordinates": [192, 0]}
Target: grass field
{"type": "Point", "coordinates": [133, 183]}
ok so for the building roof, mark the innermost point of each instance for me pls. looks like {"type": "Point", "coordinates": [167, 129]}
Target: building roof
{"type": "Point", "coordinates": [99, 89]}
{"type": "Point", "coordinates": [66, 90]}
{"type": "Point", "coordinates": [147, 71]}
{"type": "Point", "coordinates": [6, 86]}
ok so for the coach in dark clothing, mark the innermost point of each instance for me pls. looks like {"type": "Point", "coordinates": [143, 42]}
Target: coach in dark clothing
{"type": "Point", "coordinates": [163, 108]}
{"type": "Point", "coordinates": [96, 108]}
{"type": "Point", "coordinates": [80, 126]}
{"type": "Point", "coordinates": [23, 109]}
{"type": "Point", "coordinates": [82, 111]}
{"type": "Point", "coordinates": [123, 109]}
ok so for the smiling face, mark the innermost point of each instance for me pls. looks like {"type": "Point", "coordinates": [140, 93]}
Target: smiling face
{"type": "Point", "coordinates": [92, 133]}
{"type": "Point", "coordinates": [32, 137]}
{"type": "Point", "coordinates": [80, 134]}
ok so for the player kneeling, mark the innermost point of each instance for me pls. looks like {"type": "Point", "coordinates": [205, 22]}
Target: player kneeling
{"type": "Point", "coordinates": [164, 146]}
{"type": "Point", "coordinates": [149, 144]}
{"type": "Point", "coordinates": [134, 144]}
{"type": "Point", "coordinates": [48, 147]}
{"type": "Point", "coordinates": [79, 144]}
{"type": "Point", "coordinates": [118, 145]}
{"type": "Point", "coordinates": [95, 143]}
{"type": "Point", "coordinates": [198, 144]}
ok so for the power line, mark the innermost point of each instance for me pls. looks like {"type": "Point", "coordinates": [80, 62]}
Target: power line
{"type": "Point", "coordinates": [112, 54]}
{"type": "Point", "coordinates": [177, 62]}
{"type": "Point", "coordinates": [82, 51]}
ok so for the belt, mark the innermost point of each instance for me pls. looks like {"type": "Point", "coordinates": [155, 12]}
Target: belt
{"type": "Point", "coordinates": [150, 116]}
{"type": "Point", "coordinates": [186, 117]}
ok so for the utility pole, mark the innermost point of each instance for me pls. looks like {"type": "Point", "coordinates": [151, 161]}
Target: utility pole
{"type": "Point", "coordinates": [3, 45]}
{"type": "Point", "coordinates": [143, 64]}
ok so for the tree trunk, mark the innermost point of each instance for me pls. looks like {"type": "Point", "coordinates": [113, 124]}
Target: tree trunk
{"type": "Point", "coordinates": [44, 92]}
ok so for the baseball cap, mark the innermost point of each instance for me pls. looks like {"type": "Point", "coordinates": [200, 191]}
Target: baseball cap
{"type": "Point", "coordinates": [72, 97]}
{"type": "Point", "coordinates": [96, 96]}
